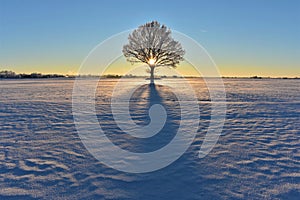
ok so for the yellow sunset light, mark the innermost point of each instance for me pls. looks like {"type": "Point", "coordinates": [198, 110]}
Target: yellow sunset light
{"type": "Point", "coordinates": [151, 61]}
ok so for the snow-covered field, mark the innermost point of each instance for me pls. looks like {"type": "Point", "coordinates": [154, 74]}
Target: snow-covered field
{"type": "Point", "coordinates": [256, 157]}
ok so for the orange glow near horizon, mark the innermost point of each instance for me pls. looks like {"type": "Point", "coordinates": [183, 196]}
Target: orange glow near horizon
{"type": "Point", "coordinates": [120, 67]}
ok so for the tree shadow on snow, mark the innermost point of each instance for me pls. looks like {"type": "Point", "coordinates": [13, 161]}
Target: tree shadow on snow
{"type": "Point", "coordinates": [140, 102]}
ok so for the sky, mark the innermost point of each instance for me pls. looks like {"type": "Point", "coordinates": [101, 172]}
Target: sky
{"type": "Point", "coordinates": [244, 38]}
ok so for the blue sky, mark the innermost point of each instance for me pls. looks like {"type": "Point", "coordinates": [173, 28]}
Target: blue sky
{"type": "Point", "coordinates": [245, 38]}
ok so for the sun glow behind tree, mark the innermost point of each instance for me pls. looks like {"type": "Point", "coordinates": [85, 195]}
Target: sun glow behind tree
{"type": "Point", "coordinates": [152, 44]}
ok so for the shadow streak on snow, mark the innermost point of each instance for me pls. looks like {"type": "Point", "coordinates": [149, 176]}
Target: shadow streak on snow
{"type": "Point", "coordinates": [140, 103]}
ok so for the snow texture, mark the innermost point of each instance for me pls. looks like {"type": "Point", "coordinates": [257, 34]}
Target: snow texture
{"type": "Point", "coordinates": [256, 157]}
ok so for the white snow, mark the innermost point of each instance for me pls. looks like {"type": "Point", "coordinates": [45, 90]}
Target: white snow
{"type": "Point", "coordinates": [256, 157]}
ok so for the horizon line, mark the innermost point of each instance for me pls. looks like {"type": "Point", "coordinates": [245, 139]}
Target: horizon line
{"type": "Point", "coordinates": [7, 74]}
{"type": "Point", "coordinates": [134, 75]}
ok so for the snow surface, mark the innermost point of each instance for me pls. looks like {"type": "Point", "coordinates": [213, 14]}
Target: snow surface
{"type": "Point", "coordinates": [256, 157]}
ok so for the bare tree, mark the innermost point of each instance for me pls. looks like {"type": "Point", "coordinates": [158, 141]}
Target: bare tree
{"type": "Point", "coordinates": [152, 44]}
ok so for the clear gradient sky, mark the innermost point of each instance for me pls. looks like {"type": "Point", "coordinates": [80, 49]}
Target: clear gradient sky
{"type": "Point", "coordinates": [245, 38]}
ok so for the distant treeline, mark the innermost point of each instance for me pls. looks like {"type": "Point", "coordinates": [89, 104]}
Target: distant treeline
{"type": "Point", "coordinates": [260, 77]}
{"type": "Point", "coordinates": [11, 74]}
{"type": "Point", "coordinates": [7, 74]}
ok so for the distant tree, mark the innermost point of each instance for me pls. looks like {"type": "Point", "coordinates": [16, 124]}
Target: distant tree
{"type": "Point", "coordinates": [7, 74]}
{"type": "Point", "coordinates": [152, 44]}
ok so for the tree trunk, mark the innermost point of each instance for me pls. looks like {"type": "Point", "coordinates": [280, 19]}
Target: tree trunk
{"type": "Point", "coordinates": [151, 75]}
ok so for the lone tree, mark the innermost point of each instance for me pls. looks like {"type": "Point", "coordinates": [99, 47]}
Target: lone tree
{"type": "Point", "coordinates": [152, 44]}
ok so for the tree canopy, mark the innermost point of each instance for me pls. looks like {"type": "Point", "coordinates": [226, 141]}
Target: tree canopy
{"type": "Point", "coordinates": [152, 44]}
